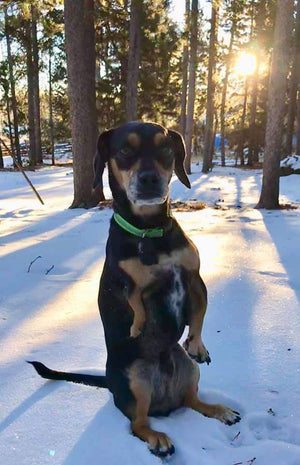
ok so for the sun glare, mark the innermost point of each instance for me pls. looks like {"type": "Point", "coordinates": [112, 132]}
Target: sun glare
{"type": "Point", "coordinates": [245, 64]}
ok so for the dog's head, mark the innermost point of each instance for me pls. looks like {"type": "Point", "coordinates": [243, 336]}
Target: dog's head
{"type": "Point", "coordinates": [141, 159]}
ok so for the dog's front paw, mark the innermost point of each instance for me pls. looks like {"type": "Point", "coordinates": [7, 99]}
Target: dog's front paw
{"type": "Point", "coordinates": [197, 350]}
{"type": "Point", "coordinates": [227, 415]}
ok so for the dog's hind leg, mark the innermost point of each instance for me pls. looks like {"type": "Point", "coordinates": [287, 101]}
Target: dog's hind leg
{"type": "Point", "coordinates": [159, 443]}
{"type": "Point", "coordinates": [218, 411]}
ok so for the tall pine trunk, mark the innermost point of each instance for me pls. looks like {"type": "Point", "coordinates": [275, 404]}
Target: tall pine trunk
{"type": "Point", "coordinates": [35, 86]}
{"type": "Point", "coordinates": [1, 157]}
{"type": "Point", "coordinates": [133, 59]}
{"type": "Point", "coordinates": [184, 72]}
{"type": "Point", "coordinates": [51, 124]}
{"type": "Point", "coordinates": [192, 86]}
{"type": "Point", "coordinates": [30, 94]}
{"type": "Point", "coordinates": [241, 143]}
{"type": "Point", "coordinates": [11, 139]}
{"type": "Point", "coordinates": [16, 146]}
{"type": "Point", "coordinates": [298, 124]}
{"type": "Point", "coordinates": [253, 148]}
{"type": "Point", "coordinates": [210, 106]}
{"type": "Point", "coordinates": [80, 48]}
{"type": "Point", "coordinates": [224, 94]}
{"type": "Point", "coordinates": [269, 197]}
{"type": "Point", "coordinates": [293, 87]}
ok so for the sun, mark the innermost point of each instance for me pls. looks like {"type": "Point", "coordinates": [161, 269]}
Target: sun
{"type": "Point", "coordinates": [245, 64]}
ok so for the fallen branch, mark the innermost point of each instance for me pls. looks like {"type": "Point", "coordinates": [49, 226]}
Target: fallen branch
{"type": "Point", "coordinates": [31, 263]}
{"type": "Point", "coordinates": [20, 168]}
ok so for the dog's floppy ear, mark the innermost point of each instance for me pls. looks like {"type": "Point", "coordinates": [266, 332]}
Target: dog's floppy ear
{"type": "Point", "coordinates": [180, 153]}
{"type": "Point", "coordinates": [101, 157]}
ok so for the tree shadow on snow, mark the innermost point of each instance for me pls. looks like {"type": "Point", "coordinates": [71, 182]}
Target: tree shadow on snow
{"type": "Point", "coordinates": [38, 395]}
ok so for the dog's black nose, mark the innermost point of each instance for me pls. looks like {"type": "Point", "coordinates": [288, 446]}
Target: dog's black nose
{"type": "Point", "coordinates": [148, 178]}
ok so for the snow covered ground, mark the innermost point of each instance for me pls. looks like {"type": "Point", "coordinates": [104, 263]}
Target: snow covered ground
{"type": "Point", "coordinates": [250, 262]}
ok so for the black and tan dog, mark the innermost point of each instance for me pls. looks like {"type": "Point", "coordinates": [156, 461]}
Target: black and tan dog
{"type": "Point", "coordinates": [150, 287]}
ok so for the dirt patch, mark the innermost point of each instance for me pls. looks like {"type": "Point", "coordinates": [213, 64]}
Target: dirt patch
{"type": "Point", "coordinates": [178, 206]}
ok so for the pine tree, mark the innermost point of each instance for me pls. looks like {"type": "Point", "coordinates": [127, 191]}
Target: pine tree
{"type": "Point", "coordinates": [133, 59]}
{"type": "Point", "coordinates": [80, 47]}
{"type": "Point", "coordinates": [16, 144]}
{"type": "Point", "coordinates": [293, 86]}
{"type": "Point", "coordinates": [269, 197]}
{"type": "Point", "coordinates": [192, 85]}
{"type": "Point", "coordinates": [210, 87]}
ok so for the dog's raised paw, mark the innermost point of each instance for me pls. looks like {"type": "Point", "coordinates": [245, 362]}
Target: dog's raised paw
{"type": "Point", "coordinates": [198, 352]}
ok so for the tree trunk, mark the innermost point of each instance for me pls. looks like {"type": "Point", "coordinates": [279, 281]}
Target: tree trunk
{"type": "Point", "coordinates": [224, 95]}
{"type": "Point", "coordinates": [51, 125]}
{"type": "Point", "coordinates": [9, 125]}
{"type": "Point", "coordinates": [240, 150]}
{"type": "Point", "coordinates": [1, 158]}
{"type": "Point", "coordinates": [210, 88]}
{"type": "Point", "coordinates": [185, 60]}
{"type": "Point", "coordinates": [298, 124]}
{"type": "Point", "coordinates": [30, 94]}
{"type": "Point", "coordinates": [16, 146]}
{"type": "Point", "coordinates": [192, 86]}
{"type": "Point", "coordinates": [35, 87]}
{"type": "Point", "coordinates": [294, 84]}
{"type": "Point", "coordinates": [269, 197]}
{"type": "Point", "coordinates": [253, 144]}
{"type": "Point", "coordinates": [133, 59]}
{"type": "Point", "coordinates": [80, 48]}
{"type": "Point", "coordinates": [213, 140]}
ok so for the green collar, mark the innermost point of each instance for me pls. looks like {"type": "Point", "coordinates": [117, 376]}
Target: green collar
{"type": "Point", "coordinates": [156, 232]}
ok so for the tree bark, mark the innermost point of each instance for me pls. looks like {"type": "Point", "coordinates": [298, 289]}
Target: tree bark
{"type": "Point", "coordinates": [30, 94]}
{"type": "Point", "coordinates": [185, 60]}
{"type": "Point", "coordinates": [192, 86]}
{"type": "Point", "coordinates": [241, 143]}
{"type": "Point", "coordinates": [35, 87]}
{"type": "Point", "coordinates": [16, 146]}
{"type": "Point", "coordinates": [9, 124]}
{"type": "Point", "coordinates": [294, 84]}
{"type": "Point", "coordinates": [51, 125]}
{"type": "Point", "coordinates": [224, 95]}
{"type": "Point", "coordinates": [80, 48]}
{"type": "Point", "coordinates": [133, 59]}
{"type": "Point", "coordinates": [298, 124]}
{"type": "Point", "coordinates": [210, 87]}
{"type": "Point", "coordinates": [253, 144]}
{"type": "Point", "coordinates": [269, 197]}
{"type": "Point", "coordinates": [1, 158]}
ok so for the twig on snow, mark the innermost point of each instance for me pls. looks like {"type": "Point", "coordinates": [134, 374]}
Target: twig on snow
{"type": "Point", "coordinates": [236, 436]}
{"type": "Point", "coordinates": [51, 268]}
{"type": "Point", "coordinates": [248, 461]}
{"type": "Point", "coordinates": [31, 263]}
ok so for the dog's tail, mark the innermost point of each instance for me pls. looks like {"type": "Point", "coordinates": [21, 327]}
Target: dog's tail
{"type": "Point", "coordinates": [89, 380]}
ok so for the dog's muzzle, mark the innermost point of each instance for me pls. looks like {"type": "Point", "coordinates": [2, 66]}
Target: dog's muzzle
{"type": "Point", "coordinates": [148, 188]}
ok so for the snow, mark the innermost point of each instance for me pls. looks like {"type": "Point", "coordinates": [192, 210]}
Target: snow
{"type": "Point", "coordinates": [250, 263]}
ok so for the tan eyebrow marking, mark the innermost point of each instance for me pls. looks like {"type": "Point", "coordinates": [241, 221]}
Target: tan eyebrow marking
{"type": "Point", "coordinates": [159, 138]}
{"type": "Point", "coordinates": [134, 139]}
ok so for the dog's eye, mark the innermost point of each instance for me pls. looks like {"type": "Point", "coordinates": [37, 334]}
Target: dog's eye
{"type": "Point", "coordinates": [126, 152]}
{"type": "Point", "coordinates": [166, 154]}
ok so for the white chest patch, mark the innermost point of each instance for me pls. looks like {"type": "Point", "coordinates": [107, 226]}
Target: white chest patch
{"type": "Point", "coordinates": [177, 294]}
